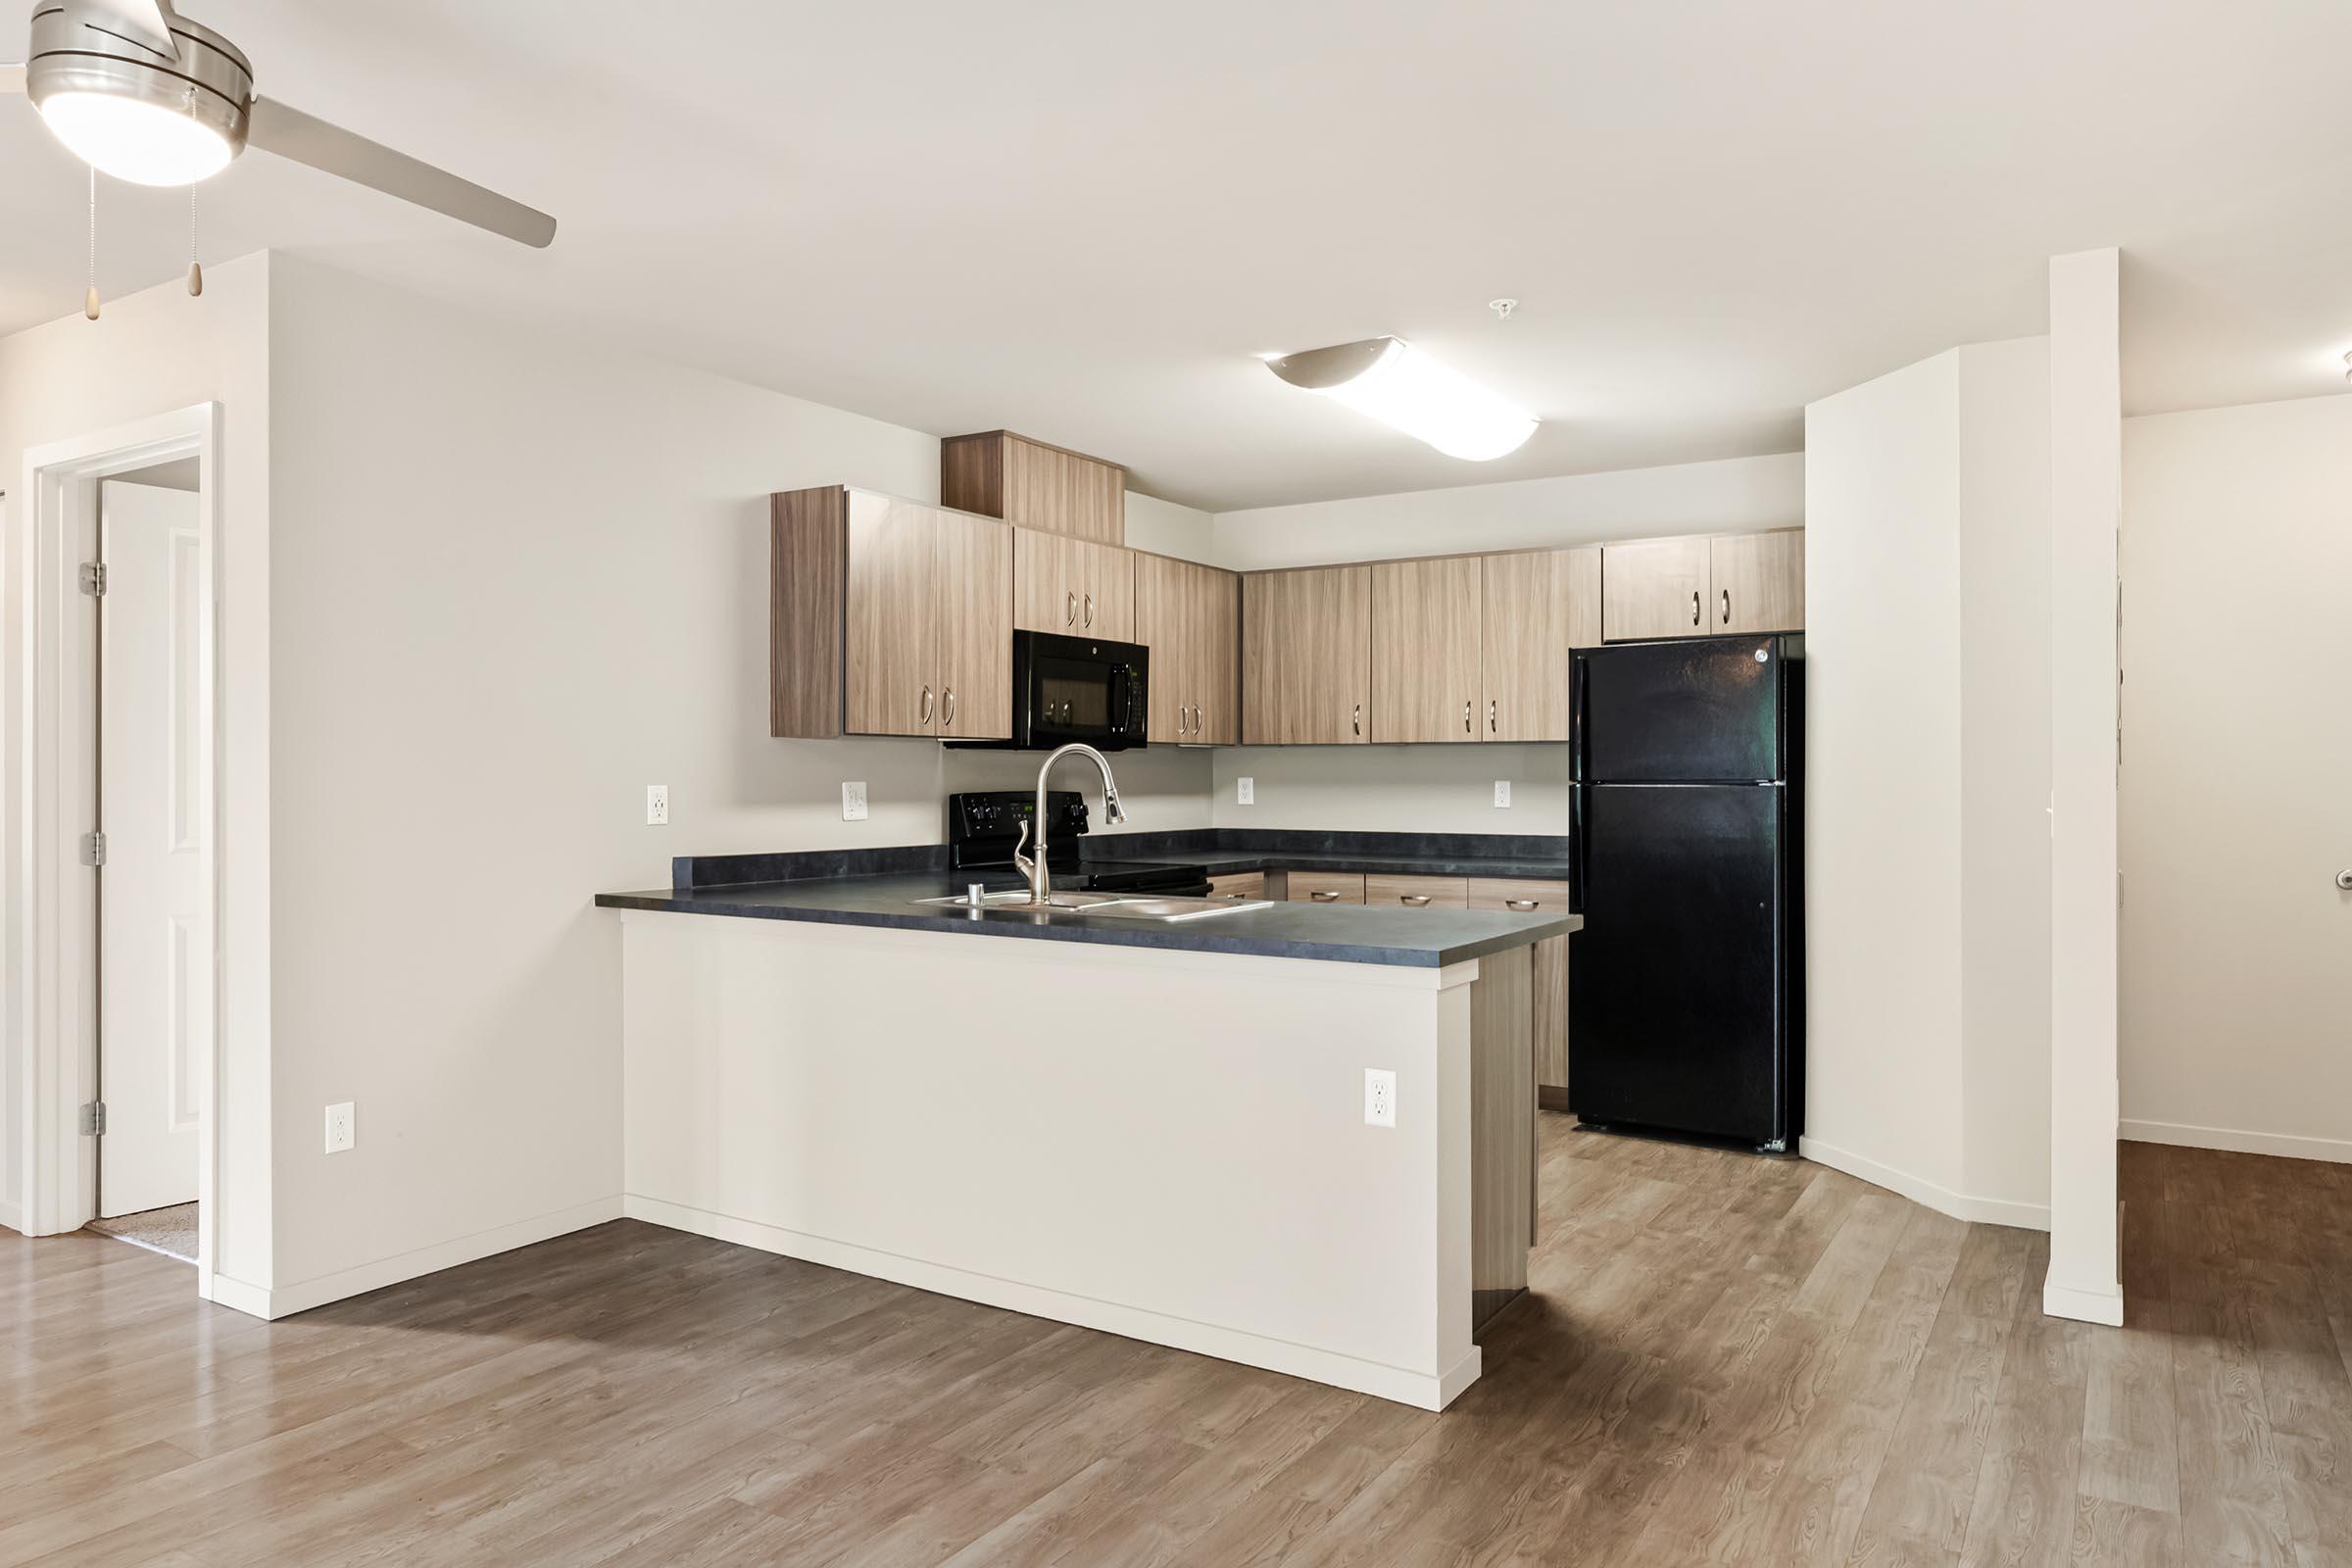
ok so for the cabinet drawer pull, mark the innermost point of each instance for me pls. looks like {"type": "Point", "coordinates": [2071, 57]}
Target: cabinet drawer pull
{"type": "Point", "coordinates": [1416, 899]}
{"type": "Point", "coordinates": [1069, 614]}
{"type": "Point", "coordinates": [947, 714]}
{"type": "Point", "coordinates": [1695, 607]}
{"type": "Point", "coordinates": [1359, 718]}
{"type": "Point", "coordinates": [1235, 897]}
{"type": "Point", "coordinates": [926, 705]}
{"type": "Point", "coordinates": [1326, 896]}
{"type": "Point", "coordinates": [1521, 905]}
{"type": "Point", "coordinates": [1090, 609]}
{"type": "Point", "coordinates": [1727, 607]}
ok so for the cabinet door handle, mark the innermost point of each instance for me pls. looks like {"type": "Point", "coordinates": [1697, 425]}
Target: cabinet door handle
{"type": "Point", "coordinates": [947, 714]}
{"type": "Point", "coordinates": [1466, 729]}
{"type": "Point", "coordinates": [1695, 607]}
{"type": "Point", "coordinates": [1521, 905]}
{"type": "Point", "coordinates": [1491, 729]}
{"type": "Point", "coordinates": [1069, 614]}
{"type": "Point", "coordinates": [1359, 718]}
{"type": "Point", "coordinates": [926, 705]}
{"type": "Point", "coordinates": [1328, 896]}
{"type": "Point", "coordinates": [1090, 609]}
{"type": "Point", "coordinates": [1416, 899]}
{"type": "Point", "coordinates": [1727, 607]}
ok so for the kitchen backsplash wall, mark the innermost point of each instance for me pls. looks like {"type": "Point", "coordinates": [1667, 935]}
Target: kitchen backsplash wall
{"type": "Point", "coordinates": [1395, 789]}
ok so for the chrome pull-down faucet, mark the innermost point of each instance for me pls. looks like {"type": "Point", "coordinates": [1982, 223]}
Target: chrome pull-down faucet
{"type": "Point", "coordinates": [1041, 878]}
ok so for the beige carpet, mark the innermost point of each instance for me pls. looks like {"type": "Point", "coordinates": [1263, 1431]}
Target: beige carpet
{"type": "Point", "coordinates": [169, 1231]}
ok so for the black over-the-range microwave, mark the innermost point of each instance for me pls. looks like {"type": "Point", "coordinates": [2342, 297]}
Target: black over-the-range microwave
{"type": "Point", "coordinates": [1076, 689]}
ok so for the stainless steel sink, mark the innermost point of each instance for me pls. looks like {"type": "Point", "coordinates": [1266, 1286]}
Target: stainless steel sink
{"type": "Point", "coordinates": [1018, 899]}
{"type": "Point", "coordinates": [1176, 908]}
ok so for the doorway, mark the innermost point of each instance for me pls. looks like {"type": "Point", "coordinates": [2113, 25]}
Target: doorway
{"type": "Point", "coordinates": [113, 897]}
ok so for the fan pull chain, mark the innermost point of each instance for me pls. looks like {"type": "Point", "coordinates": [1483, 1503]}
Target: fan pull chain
{"type": "Point", "coordinates": [89, 301]}
{"type": "Point", "coordinates": [195, 273]}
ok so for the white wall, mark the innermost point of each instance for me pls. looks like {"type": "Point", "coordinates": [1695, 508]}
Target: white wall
{"type": "Point", "coordinates": [1926, 770]}
{"type": "Point", "coordinates": [1451, 789]}
{"type": "Point", "coordinates": [149, 354]}
{"type": "Point", "coordinates": [2236, 809]}
{"type": "Point", "coordinates": [530, 579]}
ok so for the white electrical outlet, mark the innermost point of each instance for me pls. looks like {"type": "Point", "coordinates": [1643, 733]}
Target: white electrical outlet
{"type": "Point", "coordinates": [341, 1127]}
{"type": "Point", "coordinates": [1380, 1097]}
{"type": "Point", "coordinates": [852, 801]}
{"type": "Point", "coordinates": [657, 806]}
{"type": "Point", "coordinates": [1245, 792]}
{"type": "Point", "coordinates": [1503, 792]}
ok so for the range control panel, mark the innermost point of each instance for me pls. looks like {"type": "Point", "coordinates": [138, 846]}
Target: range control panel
{"type": "Point", "coordinates": [984, 825]}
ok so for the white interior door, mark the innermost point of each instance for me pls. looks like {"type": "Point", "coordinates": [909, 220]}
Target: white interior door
{"type": "Point", "coordinates": [155, 940]}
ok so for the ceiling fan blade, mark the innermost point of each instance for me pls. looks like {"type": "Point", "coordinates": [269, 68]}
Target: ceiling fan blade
{"type": "Point", "coordinates": [145, 21]}
{"type": "Point", "coordinates": [12, 78]}
{"type": "Point", "coordinates": [291, 133]}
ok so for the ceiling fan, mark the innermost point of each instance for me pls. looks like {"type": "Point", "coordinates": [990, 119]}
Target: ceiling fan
{"type": "Point", "coordinates": [142, 93]}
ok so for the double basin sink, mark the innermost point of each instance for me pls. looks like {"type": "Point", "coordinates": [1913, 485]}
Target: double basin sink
{"type": "Point", "coordinates": [1109, 905]}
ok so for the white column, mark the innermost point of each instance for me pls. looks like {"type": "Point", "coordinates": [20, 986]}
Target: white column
{"type": "Point", "coordinates": [2085, 506]}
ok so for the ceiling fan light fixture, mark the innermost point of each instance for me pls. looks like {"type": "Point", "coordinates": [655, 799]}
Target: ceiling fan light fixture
{"type": "Point", "coordinates": [131, 139]}
{"type": "Point", "coordinates": [1390, 381]}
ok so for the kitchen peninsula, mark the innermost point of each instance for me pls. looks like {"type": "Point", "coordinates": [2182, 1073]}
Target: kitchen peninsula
{"type": "Point", "coordinates": [1161, 1129]}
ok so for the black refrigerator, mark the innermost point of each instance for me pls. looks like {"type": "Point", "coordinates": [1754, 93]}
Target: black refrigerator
{"type": "Point", "coordinates": [1686, 987]}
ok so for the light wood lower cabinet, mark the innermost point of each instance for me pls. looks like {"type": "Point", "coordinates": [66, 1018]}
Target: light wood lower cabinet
{"type": "Point", "coordinates": [1526, 896]}
{"type": "Point", "coordinates": [1417, 892]}
{"type": "Point", "coordinates": [1239, 885]}
{"type": "Point", "coordinates": [1325, 886]}
{"type": "Point", "coordinates": [1306, 657]}
{"type": "Point", "coordinates": [1073, 587]}
{"type": "Point", "coordinates": [886, 617]}
{"type": "Point", "coordinates": [1190, 617]}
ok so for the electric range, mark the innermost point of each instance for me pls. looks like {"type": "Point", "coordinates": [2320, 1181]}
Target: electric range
{"type": "Point", "coordinates": [985, 827]}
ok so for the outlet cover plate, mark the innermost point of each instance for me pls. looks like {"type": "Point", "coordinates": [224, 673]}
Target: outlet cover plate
{"type": "Point", "coordinates": [657, 806]}
{"type": "Point", "coordinates": [852, 801]}
{"type": "Point", "coordinates": [1245, 792]}
{"type": "Point", "coordinates": [1503, 792]}
{"type": "Point", "coordinates": [1380, 1096]}
{"type": "Point", "coordinates": [342, 1127]}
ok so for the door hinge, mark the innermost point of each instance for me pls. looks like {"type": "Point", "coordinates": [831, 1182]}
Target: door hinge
{"type": "Point", "coordinates": [93, 578]}
{"type": "Point", "coordinates": [93, 849]}
{"type": "Point", "coordinates": [93, 1118]}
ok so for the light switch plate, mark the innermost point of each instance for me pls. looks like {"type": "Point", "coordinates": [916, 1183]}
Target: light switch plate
{"type": "Point", "coordinates": [1380, 1097]}
{"type": "Point", "coordinates": [1503, 792]}
{"type": "Point", "coordinates": [341, 1127]}
{"type": "Point", "coordinates": [852, 801]}
{"type": "Point", "coordinates": [657, 806]}
{"type": "Point", "coordinates": [1245, 792]}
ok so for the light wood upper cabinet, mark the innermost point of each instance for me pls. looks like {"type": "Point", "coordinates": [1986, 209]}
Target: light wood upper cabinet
{"type": "Point", "coordinates": [1428, 647]}
{"type": "Point", "coordinates": [1656, 588]}
{"type": "Point", "coordinates": [999, 474]}
{"type": "Point", "coordinates": [1759, 581]}
{"type": "Point", "coordinates": [886, 617]}
{"type": "Point", "coordinates": [1189, 615]}
{"type": "Point", "coordinates": [1306, 657]}
{"type": "Point", "coordinates": [1539, 604]}
{"type": "Point", "coordinates": [1072, 586]}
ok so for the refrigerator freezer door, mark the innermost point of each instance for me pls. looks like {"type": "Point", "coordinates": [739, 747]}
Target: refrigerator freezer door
{"type": "Point", "coordinates": [1681, 712]}
{"type": "Point", "coordinates": [1674, 1010]}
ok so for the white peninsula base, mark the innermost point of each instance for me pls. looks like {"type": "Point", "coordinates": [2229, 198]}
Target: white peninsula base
{"type": "Point", "coordinates": [1166, 1145]}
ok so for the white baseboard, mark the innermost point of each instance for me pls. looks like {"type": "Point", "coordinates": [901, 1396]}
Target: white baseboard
{"type": "Point", "coordinates": [2286, 1145]}
{"type": "Point", "coordinates": [1942, 1200]}
{"type": "Point", "coordinates": [2084, 1306]}
{"type": "Point", "coordinates": [13, 1217]}
{"type": "Point", "coordinates": [284, 1301]}
{"type": "Point", "coordinates": [1429, 1392]}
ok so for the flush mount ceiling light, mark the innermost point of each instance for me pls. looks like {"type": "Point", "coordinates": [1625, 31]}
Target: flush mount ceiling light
{"type": "Point", "coordinates": [1405, 388]}
{"type": "Point", "coordinates": [139, 92]}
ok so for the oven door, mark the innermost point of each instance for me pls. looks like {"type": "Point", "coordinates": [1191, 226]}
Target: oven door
{"type": "Point", "coordinates": [1078, 689]}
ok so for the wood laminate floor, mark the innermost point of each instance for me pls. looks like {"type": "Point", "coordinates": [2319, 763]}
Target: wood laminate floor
{"type": "Point", "coordinates": [1723, 1360]}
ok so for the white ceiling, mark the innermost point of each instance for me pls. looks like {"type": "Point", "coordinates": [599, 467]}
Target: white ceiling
{"type": "Point", "coordinates": [1082, 219]}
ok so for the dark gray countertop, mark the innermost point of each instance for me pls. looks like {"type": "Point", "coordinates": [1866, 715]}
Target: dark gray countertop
{"type": "Point", "coordinates": [1341, 933]}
